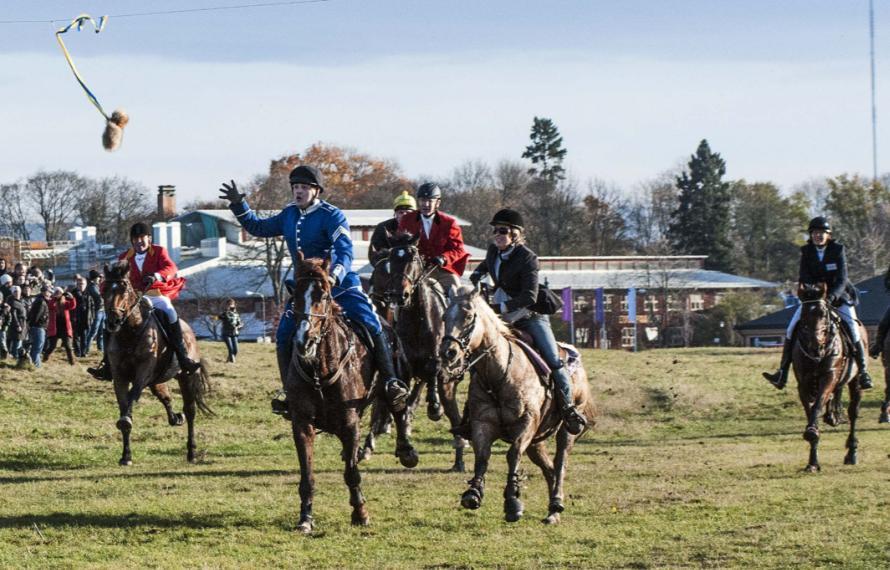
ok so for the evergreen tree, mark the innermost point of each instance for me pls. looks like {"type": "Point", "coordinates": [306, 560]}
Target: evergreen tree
{"type": "Point", "coordinates": [545, 151]}
{"type": "Point", "coordinates": [701, 223]}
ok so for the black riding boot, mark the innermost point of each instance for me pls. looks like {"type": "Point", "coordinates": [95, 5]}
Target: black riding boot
{"type": "Point", "coordinates": [573, 420]}
{"type": "Point", "coordinates": [174, 334]}
{"type": "Point", "coordinates": [877, 346]}
{"type": "Point", "coordinates": [780, 378]}
{"type": "Point", "coordinates": [859, 353]}
{"type": "Point", "coordinates": [284, 354]}
{"type": "Point", "coordinates": [396, 390]}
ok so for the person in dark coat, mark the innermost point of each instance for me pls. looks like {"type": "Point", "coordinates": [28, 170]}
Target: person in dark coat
{"type": "Point", "coordinates": [38, 320]}
{"type": "Point", "coordinates": [59, 326]}
{"type": "Point", "coordinates": [514, 270]}
{"type": "Point", "coordinates": [4, 327]}
{"type": "Point", "coordinates": [83, 316]}
{"type": "Point", "coordinates": [231, 328]}
{"type": "Point", "coordinates": [378, 250]}
{"type": "Point", "coordinates": [17, 331]}
{"type": "Point", "coordinates": [877, 346]}
{"type": "Point", "coordinates": [823, 260]}
{"type": "Point", "coordinates": [97, 327]}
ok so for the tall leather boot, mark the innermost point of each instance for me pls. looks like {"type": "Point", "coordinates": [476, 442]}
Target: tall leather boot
{"type": "Point", "coordinates": [174, 334]}
{"type": "Point", "coordinates": [877, 346]}
{"type": "Point", "coordinates": [780, 378]}
{"type": "Point", "coordinates": [859, 353]}
{"type": "Point", "coordinates": [396, 390]}
{"type": "Point", "coordinates": [284, 354]}
{"type": "Point", "coordinates": [573, 420]}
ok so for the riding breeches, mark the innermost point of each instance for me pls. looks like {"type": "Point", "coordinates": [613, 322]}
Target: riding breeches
{"type": "Point", "coordinates": [847, 313]}
{"type": "Point", "coordinates": [164, 305]}
{"type": "Point", "coordinates": [354, 303]}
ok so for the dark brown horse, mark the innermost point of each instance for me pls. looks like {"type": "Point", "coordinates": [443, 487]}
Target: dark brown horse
{"type": "Point", "coordinates": [140, 357]}
{"type": "Point", "coordinates": [508, 401]}
{"type": "Point", "coordinates": [329, 383]}
{"type": "Point", "coordinates": [823, 364]}
{"type": "Point", "coordinates": [885, 360]}
{"type": "Point", "coordinates": [419, 322]}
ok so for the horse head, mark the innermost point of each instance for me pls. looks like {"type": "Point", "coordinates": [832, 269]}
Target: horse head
{"type": "Point", "coordinates": [405, 267]}
{"type": "Point", "coordinates": [817, 324]}
{"type": "Point", "coordinates": [312, 304]}
{"type": "Point", "coordinates": [812, 291]}
{"type": "Point", "coordinates": [120, 299]}
{"type": "Point", "coordinates": [463, 332]}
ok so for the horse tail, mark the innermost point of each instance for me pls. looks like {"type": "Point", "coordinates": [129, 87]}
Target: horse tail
{"type": "Point", "coordinates": [587, 407]}
{"type": "Point", "coordinates": [198, 385]}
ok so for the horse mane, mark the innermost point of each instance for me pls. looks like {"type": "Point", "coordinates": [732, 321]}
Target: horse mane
{"type": "Point", "coordinates": [483, 310]}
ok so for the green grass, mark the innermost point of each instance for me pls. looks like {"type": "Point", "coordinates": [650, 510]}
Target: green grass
{"type": "Point", "coordinates": [696, 462]}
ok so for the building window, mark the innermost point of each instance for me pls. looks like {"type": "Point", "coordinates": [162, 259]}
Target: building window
{"type": "Point", "coordinates": [675, 336]}
{"type": "Point", "coordinates": [582, 334]}
{"type": "Point", "coordinates": [580, 303]}
{"type": "Point", "coordinates": [624, 303]}
{"type": "Point", "coordinates": [627, 337]}
{"type": "Point", "coordinates": [696, 302]}
{"type": "Point", "coordinates": [651, 304]}
{"type": "Point", "coordinates": [607, 302]}
{"type": "Point", "coordinates": [673, 303]}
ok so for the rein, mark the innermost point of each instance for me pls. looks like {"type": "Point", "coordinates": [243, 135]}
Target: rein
{"type": "Point", "coordinates": [822, 350]}
{"type": "Point", "coordinates": [132, 309]}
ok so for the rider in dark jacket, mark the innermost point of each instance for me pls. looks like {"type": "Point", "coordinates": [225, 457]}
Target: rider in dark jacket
{"type": "Point", "coordinates": [378, 249]}
{"type": "Point", "coordinates": [514, 269]}
{"type": "Point", "coordinates": [823, 260]}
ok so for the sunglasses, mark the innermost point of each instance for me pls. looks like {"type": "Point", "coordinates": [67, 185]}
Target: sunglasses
{"type": "Point", "coordinates": [501, 231]}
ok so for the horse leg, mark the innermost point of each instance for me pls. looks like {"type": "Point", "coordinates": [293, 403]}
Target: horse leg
{"type": "Point", "coordinates": [379, 417]}
{"type": "Point", "coordinates": [811, 434]}
{"type": "Point", "coordinates": [162, 393]}
{"type": "Point", "coordinates": [483, 436]}
{"type": "Point", "coordinates": [304, 438]}
{"type": "Point", "coordinates": [538, 455]}
{"type": "Point", "coordinates": [190, 408]}
{"type": "Point", "coordinates": [853, 412]}
{"type": "Point", "coordinates": [351, 475]}
{"type": "Point", "coordinates": [885, 405]}
{"type": "Point", "coordinates": [564, 444]}
{"type": "Point", "coordinates": [513, 508]}
{"type": "Point", "coordinates": [433, 405]}
{"type": "Point", "coordinates": [404, 449]}
{"type": "Point", "coordinates": [452, 411]}
{"type": "Point", "coordinates": [124, 422]}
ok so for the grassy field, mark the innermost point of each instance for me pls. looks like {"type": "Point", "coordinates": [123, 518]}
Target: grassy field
{"type": "Point", "coordinates": [696, 462]}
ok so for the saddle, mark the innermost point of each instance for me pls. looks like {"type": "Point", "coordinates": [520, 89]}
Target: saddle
{"type": "Point", "coordinates": [527, 343]}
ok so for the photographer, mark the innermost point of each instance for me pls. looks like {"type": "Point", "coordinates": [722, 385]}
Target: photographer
{"type": "Point", "coordinates": [59, 327]}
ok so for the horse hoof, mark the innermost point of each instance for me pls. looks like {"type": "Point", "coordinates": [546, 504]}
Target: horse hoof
{"type": "Point", "coordinates": [124, 423]}
{"type": "Point", "coordinates": [177, 420]}
{"type": "Point", "coordinates": [364, 454]}
{"type": "Point", "coordinates": [885, 417]}
{"type": "Point", "coordinates": [125, 462]}
{"type": "Point", "coordinates": [811, 434]}
{"type": "Point", "coordinates": [434, 411]}
{"type": "Point", "coordinates": [552, 518]}
{"type": "Point", "coordinates": [556, 506]}
{"type": "Point", "coordinates": [360, 519]}
{"type": "Point", "coordinates": [512, 509]}
{"type": "Point", "coordinates": [812, 469]}
{"type": "Point", "coordinates": [471, 499]}
{"type": "Point", "coordinates": [458, 467]}
{"type": "Point", "coordinates": [305, 527]}
{"type": "Point", "coordinates": [408, 457]}
{"type": "Point", "coordinates": [851, 459]}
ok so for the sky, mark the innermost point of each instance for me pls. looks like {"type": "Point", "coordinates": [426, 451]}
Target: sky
{"type": "Point", "coordinates": [779, 88]}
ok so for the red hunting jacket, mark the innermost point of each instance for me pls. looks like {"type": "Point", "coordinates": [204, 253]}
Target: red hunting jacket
{"type": "Point", "coordinates": [445, 239]}
{"type": "Point", "coordinates": [66, 306]}
{"type": "Point", "coordinates": [158, 263]}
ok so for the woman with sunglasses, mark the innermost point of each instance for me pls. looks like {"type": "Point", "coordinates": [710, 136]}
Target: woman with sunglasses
{"type": "Point", "coordinates": [514, 269]}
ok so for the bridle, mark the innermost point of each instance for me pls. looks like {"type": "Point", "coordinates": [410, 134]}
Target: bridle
{"type": "Point", "coordinates": [463, 341]}
{"type": "Point", "coordinates": [401, 251]}
{"type": "Point", "coordinates": [822, 350]}
{"type": "Point", "coordinates": [124, 314]}
{"type": "Point", "coordinates": [324, 315]}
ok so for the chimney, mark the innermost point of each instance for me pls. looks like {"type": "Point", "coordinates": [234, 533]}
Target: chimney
{"type": "Point", "coordinates": [166, 201]}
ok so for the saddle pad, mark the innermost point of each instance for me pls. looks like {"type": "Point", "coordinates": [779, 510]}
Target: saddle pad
{"type": "Point", "coordinates": [573, 357]}
{"type": "Point", "coordinates": [540, 366]}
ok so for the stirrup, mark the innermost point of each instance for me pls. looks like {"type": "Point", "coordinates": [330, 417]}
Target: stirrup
{"type": "Point", "coordinates": [573, 420]}
{"type": "Point", "coordinates": [279, 404]}
{"type": "Point", "coordinates": [865, 382]}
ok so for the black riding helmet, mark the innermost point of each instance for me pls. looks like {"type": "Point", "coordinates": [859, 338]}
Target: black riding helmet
{"type": "Point", "coordinates": [819, 223]}
{"type": "Point", "coordinates": [304, 174]}
{"type": "Point", "coordinates": [428, 190]}
{"type": "Point", "coordinates": [139, 229]}
{"type": "Point", "coordinates": [507, 217]}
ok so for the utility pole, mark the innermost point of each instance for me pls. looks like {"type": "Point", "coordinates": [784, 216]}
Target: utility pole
{"type": "Point", "coordinates": [874, 115]}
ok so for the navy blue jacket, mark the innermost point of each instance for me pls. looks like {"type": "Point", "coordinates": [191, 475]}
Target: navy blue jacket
{"type": "Point", "coordinates": [832, 271]}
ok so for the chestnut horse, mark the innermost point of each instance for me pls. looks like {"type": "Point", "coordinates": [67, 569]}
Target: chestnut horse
{"type": "Point", "coordinates": [140, 357]}
{"type": "Point", "coordinates": [508, 400]}
{"type": "Point", "coordinates": [329, 384]}
{"type": "Point", "coordinates": [823, 363]}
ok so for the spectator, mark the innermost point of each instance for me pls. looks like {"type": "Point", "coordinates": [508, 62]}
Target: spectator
{"type": "Point", "coordinates": [231, 328]}
{"type": "Point", "coordinates": [38, 319]}
{"type": "Point", "coordinates": [17, 332]}
{"type": "Point", "coordinates": [59, 328]}
{"type": "Point", "coordinates": [6, 285]}
{"type": "Point", "coordinates": [3, 270]}
{"type": "Point", "coordinates": [97, 328]}
{"type": "Point", "coordinates": [83, 316]}
{"type": "Point", "coordinates": [4, 325]}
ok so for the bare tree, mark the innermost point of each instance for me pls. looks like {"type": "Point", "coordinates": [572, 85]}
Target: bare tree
{"type": "Point", "coordinates": [606, 228]}
{"type": "Point", "coordinates": [54, 197]}
{"type": "Point", "coordinates": [649, 213]}
{"type": "Point", "coordinates": [12, 212]}
{"type": "Point", "coordinates": [112, 205]}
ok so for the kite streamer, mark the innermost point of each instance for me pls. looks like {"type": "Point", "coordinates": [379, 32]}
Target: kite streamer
{"type": "Point", "coordinates": [115, 123]}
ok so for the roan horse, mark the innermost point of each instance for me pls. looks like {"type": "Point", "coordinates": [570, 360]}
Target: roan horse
{"type": "Point", "coordinates": [140, 356]}
{"type": "Point", "coordinates": [419, 323]}
{"type": "Point", "coordinates": [329, 383]}
{"type": "Point", "coordinates": [823, 364]}
{"type": "Point", "coordinates": [508, 400]}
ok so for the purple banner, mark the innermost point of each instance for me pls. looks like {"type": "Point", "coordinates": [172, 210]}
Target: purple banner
{"type": "Point", "coordinates": [568, 305]}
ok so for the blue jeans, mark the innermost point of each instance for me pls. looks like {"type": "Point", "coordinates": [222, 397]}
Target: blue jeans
{"type": "Point", "coordinates": [538, 326]}
{"type": "Point", "coordinates": [231, 344]}
{"type": "Point", "coordinates": [15, 348]}
{"type": "Point", "coordinates": [38, 339]}
{"type": "Point", "coordinates": [95, 333]}
{"type": "Point", "coordinates": [4, 349]}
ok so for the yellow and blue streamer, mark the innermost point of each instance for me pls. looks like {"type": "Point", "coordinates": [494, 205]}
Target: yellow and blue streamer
{"type": "Point", "coordinates": [78, 23]}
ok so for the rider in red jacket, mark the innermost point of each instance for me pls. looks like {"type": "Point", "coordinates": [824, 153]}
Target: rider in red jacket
{"type": "Point", "coordinates": [441, 241]}
{"type": "Point", "coordinates": [154, 274]}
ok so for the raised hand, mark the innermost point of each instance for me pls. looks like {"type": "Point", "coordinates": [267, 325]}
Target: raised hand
{"type": "Point", "coordinates": [230, 192]}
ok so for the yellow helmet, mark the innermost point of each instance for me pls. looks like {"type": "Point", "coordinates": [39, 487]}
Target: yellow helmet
{"type": "Point", "coordinates": [404, 200]}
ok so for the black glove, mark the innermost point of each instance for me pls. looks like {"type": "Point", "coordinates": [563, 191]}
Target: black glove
{"type": "Point", "coordinates": [148, 281]}
{"type": "Point", "coordinates": [438, 261]}
{"type": "Point", "coordinates": [832, 299]}
{"type": "Point", "coordinates": [475, 278]}
{"type": "Point", "coordinates": [230, 192]}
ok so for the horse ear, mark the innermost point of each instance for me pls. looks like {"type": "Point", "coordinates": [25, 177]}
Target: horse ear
{"type": "Point", "coordinates": [326, 264]}
{"type": "Point", "coordinates": [800, 289]}
{"type": "Point", "coordinates": [300, 257]}
{"type": "Point", "coordinates": [414, 240]}
{"type": "Point", "coordinates": [125, 269]}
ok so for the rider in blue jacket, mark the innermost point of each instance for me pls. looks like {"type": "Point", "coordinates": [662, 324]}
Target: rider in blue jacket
{"type": "Point", "coordinates": [318, 229]}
